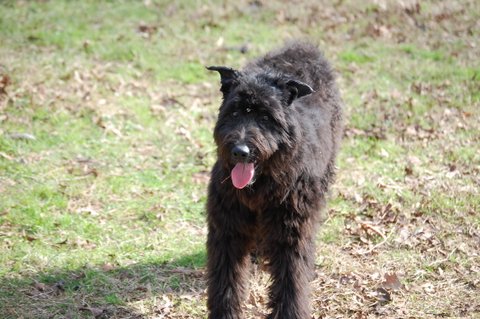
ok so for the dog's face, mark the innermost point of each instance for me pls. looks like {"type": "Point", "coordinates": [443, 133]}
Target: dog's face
{"type": "Point", "coordinates": [254, 122]}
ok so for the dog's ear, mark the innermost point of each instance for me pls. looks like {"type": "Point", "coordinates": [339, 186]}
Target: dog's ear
{"type": "Point", "coordinates": [228, 77]}
{"type": "Point", "coordinates": [296, 89]}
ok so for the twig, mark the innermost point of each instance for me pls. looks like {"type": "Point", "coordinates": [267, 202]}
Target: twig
{"type": "Point", "coordinates": [436, 262]}
{"type": "Point", "coordinates": [374, 229]}
{"type": "Point", "coordinates": [385, 239]}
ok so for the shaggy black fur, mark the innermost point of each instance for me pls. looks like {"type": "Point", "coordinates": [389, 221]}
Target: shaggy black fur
{"type": "Point", "coordinates": [283, 114]}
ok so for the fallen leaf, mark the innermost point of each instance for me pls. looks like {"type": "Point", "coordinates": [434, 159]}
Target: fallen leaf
{"type": "Point", "coordinates": [408, 170]}
{"type": "Point", "coordinates": [184, 133]}
{"type": "Point", "coordinates": [383, 296]}
{"type": "Point", "coordinates": [141, 289]}
{"type": "Point", "coordinates": [6, 156]}
{"type": "Point", "coordinates": [201, 177]}
{"type": "Point", "coordinates": [30, 238]}
{"type": "Point", "coordinates": [85, 244]}
{"type": "Point", "coordinates": [147, 30]}
{"type": "Point", "coordinates": [40, 286]}
{"type": "Point", "coordinates": [4, 82]}
{"type": "Point", "coordinates": [428, 288]}
{"type": "Point", "coordinates": [108, 267]}
{"type": "Point", "coordinates": [384, 153]}
{"type": "Point", "coordinates": [60, 285]}
{"type": "Point", "coordinates": [96, 312]}
{"type": "Point", "coordinates": [392, 282]}
{"type": "Point", "coordinates": [22, 136]}
{"type": "Point", "coordinates": [63, 242]}
{"type": "Point", "coordinates": [89, 210]}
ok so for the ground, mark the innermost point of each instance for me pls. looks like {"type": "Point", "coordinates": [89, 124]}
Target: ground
{"type": "Point", "coordinates": [106, 114]}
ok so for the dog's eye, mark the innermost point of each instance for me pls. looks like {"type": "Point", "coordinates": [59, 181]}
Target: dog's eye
{"type": "Point", "coordinates": [265, 118]}
{"type": "Point", "coordinates": [248, 110]}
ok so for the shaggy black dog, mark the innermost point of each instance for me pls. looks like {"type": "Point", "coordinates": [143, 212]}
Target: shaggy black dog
{"type": "Point", "coordinates": [277, 134]}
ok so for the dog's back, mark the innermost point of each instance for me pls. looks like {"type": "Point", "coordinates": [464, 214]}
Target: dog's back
{"type": "Point", "coordinates": [298, 60]}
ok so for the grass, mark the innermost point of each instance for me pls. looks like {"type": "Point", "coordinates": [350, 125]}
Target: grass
{"type": "Point", "coordinates": [106, 114]}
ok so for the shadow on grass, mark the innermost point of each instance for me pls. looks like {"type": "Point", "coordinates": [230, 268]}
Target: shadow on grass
{"type": "Point", "coordinates": [147, 290]}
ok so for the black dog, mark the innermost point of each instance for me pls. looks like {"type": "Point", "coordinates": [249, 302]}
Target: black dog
{"type": "Point", "coordinates": [277, 134]}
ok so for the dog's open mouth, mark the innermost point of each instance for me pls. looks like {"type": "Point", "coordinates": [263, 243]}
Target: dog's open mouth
{"type": "Point", "coordinates": [242, 174]}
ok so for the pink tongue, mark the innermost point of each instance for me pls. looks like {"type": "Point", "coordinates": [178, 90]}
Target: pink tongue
{"type": "Point", "coordinates": [242, 174]}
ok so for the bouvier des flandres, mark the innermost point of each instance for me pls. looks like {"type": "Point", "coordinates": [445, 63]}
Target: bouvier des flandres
{"type": "Point", "coordinates": [277, 134]}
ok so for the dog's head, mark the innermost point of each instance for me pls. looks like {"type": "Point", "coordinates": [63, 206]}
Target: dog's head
{"type": "Point", "coordinates": [256, 127]}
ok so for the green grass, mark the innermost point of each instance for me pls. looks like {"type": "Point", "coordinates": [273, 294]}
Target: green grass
{"type": "Point", "coordinates": [103, 211]}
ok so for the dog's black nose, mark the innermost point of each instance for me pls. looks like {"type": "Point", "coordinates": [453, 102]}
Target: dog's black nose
{"type": "Point", "coordinates": [240, 152]}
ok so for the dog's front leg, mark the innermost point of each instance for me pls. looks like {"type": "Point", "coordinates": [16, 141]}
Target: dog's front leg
{"type": "Point", "coordinates": [290, 253]}
{"type": "Point", "coordinates": [227, 270]}
{"type": "Point", "coordinates": [228, 253]}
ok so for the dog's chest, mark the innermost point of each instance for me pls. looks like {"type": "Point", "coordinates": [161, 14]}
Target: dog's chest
{"type": "Point", "coordinates": [259, 200]}
{"type": "Point", "coordinates": [255, 202]}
